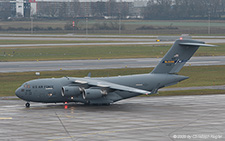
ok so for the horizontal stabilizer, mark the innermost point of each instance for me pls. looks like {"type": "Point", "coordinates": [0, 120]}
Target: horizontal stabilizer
{"type": "Point", "coordinates": [197, 44]}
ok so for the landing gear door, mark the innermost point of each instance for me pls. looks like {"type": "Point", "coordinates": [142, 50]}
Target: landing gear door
{"type": "Point", "coordinates": [155, 89]}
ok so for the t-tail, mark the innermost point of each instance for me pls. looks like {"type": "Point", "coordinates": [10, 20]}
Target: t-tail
{"type": "Point", "coordinates": [178, 55]}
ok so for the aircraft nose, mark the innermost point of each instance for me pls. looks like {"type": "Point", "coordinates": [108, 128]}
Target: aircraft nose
{"type": "Point", "coordinates": [17, 92]}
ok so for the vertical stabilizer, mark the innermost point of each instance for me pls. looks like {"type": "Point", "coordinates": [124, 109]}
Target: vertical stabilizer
{"type": "Point", "coordinates": [178, 55]}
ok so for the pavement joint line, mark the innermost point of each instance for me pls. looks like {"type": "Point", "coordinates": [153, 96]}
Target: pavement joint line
{"type": "Point", "coordinates": [106, 132]}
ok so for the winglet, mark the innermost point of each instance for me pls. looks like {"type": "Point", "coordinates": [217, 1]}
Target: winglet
{"type": "Point", "coordinates": [89, 74]}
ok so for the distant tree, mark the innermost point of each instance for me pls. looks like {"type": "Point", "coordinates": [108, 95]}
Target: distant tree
{"type": "Point", "coordinates": [187, 9]}
{"type": "Point", "coordinates": [48, 9]}
{"type": "Point", "coordinates": [158, 9]}
{"type": "Point", "coordinates": [59, 9]}
{"type": "Point", "coordinates": [124, 9]}
{"type": "Point", "coordinates": [5, 10]}
{"type": "Point", "coordinates": [215, 8]}
{"type": "Point", "coordinates": [112, 8]}
{"type": "Point", "coordinates": [63, 13]}
{"type": "Point", "coordinates": [98, 8]}
{"type": "Point", "coordinates": [52, 9]}
{"type": "Point", "coordinates": [184, 9]}
{"type": "Point", "coordinates": [222, 7]}
{"type": "Point", "coordinates": [74, 8]}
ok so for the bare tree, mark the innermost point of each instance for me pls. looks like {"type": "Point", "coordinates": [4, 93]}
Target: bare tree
{"type": "Point", "coordinates": [184, 9]}
{"type": "Point", "coordinates": [98, 8]}
{"type": "Point", "coordinates": [112, 8]}
{"type": "Point", "coordinates": [158, 9]}
{"type": "Point", "coordinates": [5, 10]}
{"type": "Point", "coordinates": [63, 10]}
{"type": "Point", "coordinates": [48, 9]}
{"type": "Point", "coordinates": [124, 9]}
{"type": "Point", "coordinates": [74, 8]}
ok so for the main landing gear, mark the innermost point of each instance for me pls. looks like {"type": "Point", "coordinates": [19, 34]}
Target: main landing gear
{"type": "Point", "coordinates": [27, 105]}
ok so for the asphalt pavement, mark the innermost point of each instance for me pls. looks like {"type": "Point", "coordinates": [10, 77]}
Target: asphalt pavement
{"type": "Point", "coordinates": [99, 36]}
{"type": "Point", "coordinates": [109, 40]}
{"type": "Point", "coordinates": [174, 118]}
{"type": "Point", "coordinates": [100, 64]}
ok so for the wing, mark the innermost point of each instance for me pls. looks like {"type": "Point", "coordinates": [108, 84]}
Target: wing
{"type": "Point", "coordinates": [105, 84]}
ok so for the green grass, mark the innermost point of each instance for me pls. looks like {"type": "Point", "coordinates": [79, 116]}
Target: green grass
{"type": "Point", "coordinates": [184, 26]}
{"type": "Point", "coordinates": [187, 23]}
{"type": "Point", "coordinates": [203, 76]}
{"type": "Point", "coordinates": [81, 52]}
{"type": "Point", "coordinates": [189, 92]}
{"type": "Point", "coordinates": [57, 23]}
{"type": "Point", "coordinates": [199, 76]}
{"type": "Point", "coordinates": [211, 51]}
{"type": "Point", "coordinates": [96, 52]}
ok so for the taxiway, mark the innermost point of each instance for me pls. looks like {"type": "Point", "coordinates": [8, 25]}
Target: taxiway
{"type": "Point", "coordinates": [100, 64]}
{"type": "Point", "coordinates": [104, 44]}
{"type": "Point", "coordinates": [100, 36]}
{"type": "Point", "coordinates": [108, 40]}
{"type": "Point", "coordinates": [173, 118]}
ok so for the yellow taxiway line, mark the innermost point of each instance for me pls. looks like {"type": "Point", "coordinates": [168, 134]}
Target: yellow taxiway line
{"type": "Point", "coordinates": [5, 118]}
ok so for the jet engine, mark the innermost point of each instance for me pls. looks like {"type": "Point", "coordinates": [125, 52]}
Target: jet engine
{"type": "Point", "coordinates": [89, 94]}
{"type": "Point", "coordinates": [69, 91]}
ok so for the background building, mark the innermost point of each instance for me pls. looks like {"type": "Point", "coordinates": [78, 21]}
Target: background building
{"type": "Point", "coordinates": [111, 9]}
{"type": "Point", "coordinates": [70, 8]}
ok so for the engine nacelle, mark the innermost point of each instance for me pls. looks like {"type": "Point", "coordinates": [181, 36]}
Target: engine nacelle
{"type": "Point", "coordinates": [69, 91]}
{"type": "Point", "coordinates": [89, 94]}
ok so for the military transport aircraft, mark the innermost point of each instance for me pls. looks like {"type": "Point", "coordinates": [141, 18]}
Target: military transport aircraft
{"type": "Point", "coordinates": [104, 91]}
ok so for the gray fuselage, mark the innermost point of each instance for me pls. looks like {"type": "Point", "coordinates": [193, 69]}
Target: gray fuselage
{"type": "Point", "coordinates": [50, 90]}
{"type": "Point", "coordinates": [111, 89]}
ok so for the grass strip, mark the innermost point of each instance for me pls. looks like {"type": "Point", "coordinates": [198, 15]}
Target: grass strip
{"type": "Point", "coordinates": [96, 52]}
{"type": "Point", "coordinates": [199, 76]}
{"type": "Point", "coordinates": [188, 92]}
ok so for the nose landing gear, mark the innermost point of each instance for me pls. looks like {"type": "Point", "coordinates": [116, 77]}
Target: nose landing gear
{"type": "Point", "coordinates": [27, 105]}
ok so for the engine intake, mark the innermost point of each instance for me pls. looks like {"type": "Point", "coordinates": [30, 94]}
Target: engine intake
{"type": "Point", "coordinates": [69, 91]}
{"type": "Point", "coordinates": [89, 94]}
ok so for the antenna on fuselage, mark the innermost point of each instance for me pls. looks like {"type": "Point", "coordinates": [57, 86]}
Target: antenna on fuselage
{"type": "Point", "coordinates": [89, 74]}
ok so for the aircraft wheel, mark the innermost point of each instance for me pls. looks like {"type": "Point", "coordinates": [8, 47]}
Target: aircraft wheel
{"type": "Point", "coordinates": [107, 104]}
{"type": "Point", "coordinates": [27, 105]}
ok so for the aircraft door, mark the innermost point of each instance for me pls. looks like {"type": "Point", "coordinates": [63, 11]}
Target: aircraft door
{"type": "Point", "coordinates": [45, 93]}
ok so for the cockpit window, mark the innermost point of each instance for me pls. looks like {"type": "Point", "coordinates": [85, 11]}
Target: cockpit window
{"type": "Point", "coordinates": [26, 86]}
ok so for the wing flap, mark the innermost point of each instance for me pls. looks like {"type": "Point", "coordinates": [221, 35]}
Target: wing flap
{"type": "Point", "coordinates": [110, 85]}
